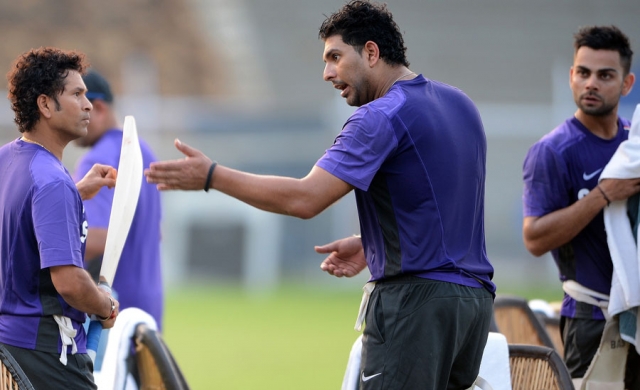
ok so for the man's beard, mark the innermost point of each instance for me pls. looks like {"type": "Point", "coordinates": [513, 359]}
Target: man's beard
{"type": "Point", "coordinates": [603, 110]}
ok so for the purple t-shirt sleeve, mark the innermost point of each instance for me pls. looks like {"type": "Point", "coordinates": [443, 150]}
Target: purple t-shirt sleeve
{"type": "Point", "coordinates": [56, 216]}
{"type": "Point", "coordinates": [358, 152]}
{"type": "Point", "coordinates": [545, 181]}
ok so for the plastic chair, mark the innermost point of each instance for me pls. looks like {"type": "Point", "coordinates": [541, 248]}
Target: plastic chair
{"type": "Point", "coordinates": [157, 369]}
{"type": "Point", "coordinates": [535, 367]}
{"type": "Point", "coordinates": [12, 377]}
{"type": "Point", "coordinates": [515, 319]}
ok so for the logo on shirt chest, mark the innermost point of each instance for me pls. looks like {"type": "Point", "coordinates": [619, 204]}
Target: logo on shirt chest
{"type": "Point", "coordinates": [588, 176]}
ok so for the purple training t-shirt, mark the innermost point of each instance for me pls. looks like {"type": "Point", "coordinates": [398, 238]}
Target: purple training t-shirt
{"type": "Point", "coordinates": [417, 158]}
{"type": "Point", "coordinates": [138, 279]}
{"type": "Point", "coordinates": [43, 225]}
{"type": "Point", "coordinates": [558, 170]}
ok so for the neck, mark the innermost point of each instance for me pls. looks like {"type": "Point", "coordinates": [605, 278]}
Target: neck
{"type": "Point", "coordinates": [49, 144]}
{"type": "Point", "coordinates": [605, 127]}
{"type": "Point", "coordinates": [397, 74]}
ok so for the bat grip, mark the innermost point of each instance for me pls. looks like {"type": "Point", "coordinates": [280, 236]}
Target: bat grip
{"type": "Point", "coordinates": [95, 329]}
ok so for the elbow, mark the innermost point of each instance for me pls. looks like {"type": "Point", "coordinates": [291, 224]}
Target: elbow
{"type": "Point", "coordinates": [305, 210]}
{"type": "Point", "coordinates": [304, 213]}
{"type": "Point", "coordinates": [534, 248]}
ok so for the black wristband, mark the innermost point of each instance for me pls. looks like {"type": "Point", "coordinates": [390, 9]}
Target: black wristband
{"type": "Point", "coordinates": [604, 195]}
{"type": "Point", "coordinates": [209, 176]}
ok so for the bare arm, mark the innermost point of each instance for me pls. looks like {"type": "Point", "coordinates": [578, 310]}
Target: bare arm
{"type": "Point", "coordinates": [303, 198]}
{"type": "Point", "coordinates": [78, 289]}
{"type": "Point", "coordinates": [542, 234]}
{"type": "Point", "coordinates": [98, 176]}
{"type": "Point", "coordinates": [96, 240]}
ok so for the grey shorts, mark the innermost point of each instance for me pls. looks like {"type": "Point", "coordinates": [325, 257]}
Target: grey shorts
{"type": "Point", "coordinates": [46, 372]}
{"type": "Point", "coordinates": [424, 334]}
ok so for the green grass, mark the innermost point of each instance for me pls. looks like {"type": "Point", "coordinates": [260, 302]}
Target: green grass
{"type": "Point", "coordinates": [297, 337]}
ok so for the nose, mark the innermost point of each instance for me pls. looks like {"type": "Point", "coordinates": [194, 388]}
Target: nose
{"type": "Point", "coordinates": [329, 72]}
{"type": "Point", "coordinates": [592, 82]}
{"type": "Point", "coordinates": [88, 106]}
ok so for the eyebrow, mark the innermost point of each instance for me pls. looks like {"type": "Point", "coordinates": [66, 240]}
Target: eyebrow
{"type": "Point", "coordinates": [581, 67]}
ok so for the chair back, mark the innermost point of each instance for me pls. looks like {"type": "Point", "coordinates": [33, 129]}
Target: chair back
{"type": "Point", "coordinates": [552, 326]}
{"type": "Point", "coordinates": [11, 376]}
{"type": "Point", "coordinates": [535, 367]}
{"type": "Point", "coordinates": [157, 369]}
{"type": "Point", "coordinates": [515, 319]}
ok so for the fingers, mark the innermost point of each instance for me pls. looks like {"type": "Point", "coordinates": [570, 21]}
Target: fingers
{"type": "Point", "coordinates": [327, 248]}
{"type": "Point", "coordinates": [186, 149]}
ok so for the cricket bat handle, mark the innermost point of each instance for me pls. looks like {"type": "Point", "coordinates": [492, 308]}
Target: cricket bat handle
{"type": "Point", "coordinates": [95, 330]}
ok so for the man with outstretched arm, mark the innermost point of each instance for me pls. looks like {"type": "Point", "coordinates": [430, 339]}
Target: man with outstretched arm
{"type": "Point", "coordinates": [415, 154]}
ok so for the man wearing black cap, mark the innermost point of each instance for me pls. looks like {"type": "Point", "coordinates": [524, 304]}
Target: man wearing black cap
{"type": "Point", "coordinates": [138, 281]}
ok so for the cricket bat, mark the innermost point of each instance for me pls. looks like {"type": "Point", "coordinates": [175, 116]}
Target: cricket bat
{"type": "Point", "coordinates": [123, 208]}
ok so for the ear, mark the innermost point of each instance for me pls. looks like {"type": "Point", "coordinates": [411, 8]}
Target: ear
{"type": "Point", "coordinates": [627, 83]}
{"type": "Point", "coordinates": [371, 51]}
{"type": "Point", "coordinates": [570, 75]}
{"type": "Point", "coordinates": [46, 105]}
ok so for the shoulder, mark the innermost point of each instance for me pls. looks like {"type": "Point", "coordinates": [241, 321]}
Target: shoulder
{"type": "Point", "coordinates": [51, 177]}
{"type": "Point", "coordinates": [564, 136]}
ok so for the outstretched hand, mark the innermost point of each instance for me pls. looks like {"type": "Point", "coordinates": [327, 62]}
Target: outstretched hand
{"type": "Point", "coordinates": [98, 176]}
{"type": "Point", "coordinates": [346, 257]}
{"type": "Point", "coordinates": [189, 173]}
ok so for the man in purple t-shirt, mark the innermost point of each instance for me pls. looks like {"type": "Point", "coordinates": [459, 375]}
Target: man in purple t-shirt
{"type": "Point", "coordinates": [44, 289]}
{"type": "Point", "coordinates": [562, 211]}
{"type": "Point", "coordinates": [415, 154]}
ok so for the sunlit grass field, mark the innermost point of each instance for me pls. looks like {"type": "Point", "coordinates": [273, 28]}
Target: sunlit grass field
{"type": "Point", "coordinates": [298, 337]}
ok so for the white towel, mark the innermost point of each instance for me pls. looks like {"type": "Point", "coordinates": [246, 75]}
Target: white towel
{"type": "Point", "coordinates": [494, 367]}
{"type": "Point", "coordinates": [114, 374]}
{"type": "Point", "coordinates": [625, 284]}
{"type": "Point", "coordinates": [352, 374]}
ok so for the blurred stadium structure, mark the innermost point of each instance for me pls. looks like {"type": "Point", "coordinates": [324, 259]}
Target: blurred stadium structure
{"type": "Point", "coordinates": [242, 81]}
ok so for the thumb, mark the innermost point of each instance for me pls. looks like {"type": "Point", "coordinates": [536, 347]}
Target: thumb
{"type": "Point", "coordinates": [186, 149]}
{"type": "Point", "coordinates": [327, 248]}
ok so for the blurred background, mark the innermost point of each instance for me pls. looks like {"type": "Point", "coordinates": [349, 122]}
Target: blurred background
{"type": "Point", "coordinates": [242, 81]}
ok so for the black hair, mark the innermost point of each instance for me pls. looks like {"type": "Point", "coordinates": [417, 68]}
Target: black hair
{"type": "Point", "coordinates": [358, 22]}
{"type": "Point", "coordinates": [38, 72]}
{"type": "Point", "coordinates": [605, 38]}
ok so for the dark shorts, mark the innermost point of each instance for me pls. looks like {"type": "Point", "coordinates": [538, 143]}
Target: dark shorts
{"type": "Point", "coordinates": [46, 372]}
{"type": "Point", "coordinates": [581, 338]}
{"type": "Point", "coordinates": [424, 334]}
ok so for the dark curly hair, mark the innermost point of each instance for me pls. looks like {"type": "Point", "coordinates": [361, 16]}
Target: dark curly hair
{"type": "Point", "coordinates": [38, 72]}
{"type": "Point", "coordinates": [605, 38]}
{"type": "Point", "coordinates": [358, 22]}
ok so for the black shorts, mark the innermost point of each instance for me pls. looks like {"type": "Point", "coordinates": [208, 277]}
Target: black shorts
{"type": "Point", "coordinates": [581, 338]}
{"type": "Point", "coordinates": [46, 372]}
{"type": "Point", "coordinates": [424, 334]}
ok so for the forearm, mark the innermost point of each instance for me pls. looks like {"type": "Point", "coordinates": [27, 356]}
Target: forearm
{"type": "Point", "coordinates": [96, 241]}
{"type": "Point", "coordinates": [559, 227]}
{"type": "Point", "coordinates": [302, 198]}
{"type": "Point", "coordinates": [78, 289]}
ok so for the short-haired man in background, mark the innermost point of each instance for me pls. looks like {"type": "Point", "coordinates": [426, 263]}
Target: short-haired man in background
{"type": "Point", "coordinates": [563, 201]}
